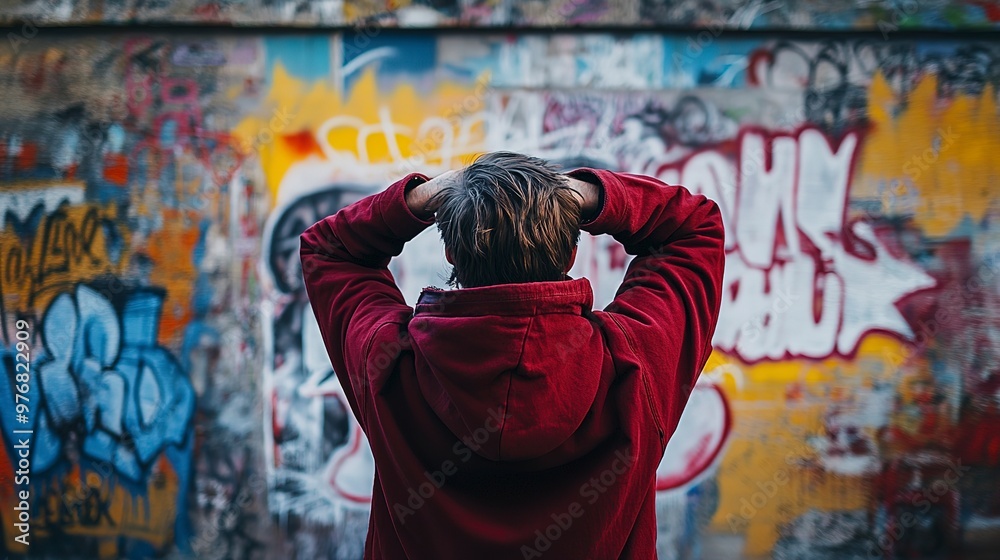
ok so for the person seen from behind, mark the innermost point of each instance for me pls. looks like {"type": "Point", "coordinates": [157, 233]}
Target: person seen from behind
{"type": "Point", "coordinates": [507, 418]}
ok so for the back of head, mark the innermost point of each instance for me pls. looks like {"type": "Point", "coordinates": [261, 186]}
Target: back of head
{"type": "Point", "coordinates": [509, 218]}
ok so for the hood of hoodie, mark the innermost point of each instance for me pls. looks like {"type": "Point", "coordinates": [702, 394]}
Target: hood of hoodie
{"type": "Point", "coordinates": [520, 363]}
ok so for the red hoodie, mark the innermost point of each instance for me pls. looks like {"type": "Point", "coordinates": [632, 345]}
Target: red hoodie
{"type": "Point", "coordinates": [512, 421]}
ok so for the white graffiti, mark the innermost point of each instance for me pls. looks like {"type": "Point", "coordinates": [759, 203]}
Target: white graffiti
{"type": "Point", "coordinates": [794, 285]}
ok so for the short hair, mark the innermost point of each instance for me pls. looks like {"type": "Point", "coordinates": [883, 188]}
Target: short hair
{"type": "Point", "coordinates": [508, 218]}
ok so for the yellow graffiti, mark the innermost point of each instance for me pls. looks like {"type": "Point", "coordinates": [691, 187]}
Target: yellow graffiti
{"type": "Point", "coordinates": [772, 472]}
{"type": "Point", "coordinates": [365, 126]}
{"type": "Point", "coordinates": [69, 245]}
{"type": "Point", "coordinates": [931, 157]}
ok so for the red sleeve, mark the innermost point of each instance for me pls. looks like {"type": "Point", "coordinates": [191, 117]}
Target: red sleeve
{"type": "Point", "coordinates": [668, 304]}
{"type": "Point", "coordinates": [345, 259]}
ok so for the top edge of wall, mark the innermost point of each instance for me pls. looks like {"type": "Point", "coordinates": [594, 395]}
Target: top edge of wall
{"type": "Point", "coordinates": [797, 16]}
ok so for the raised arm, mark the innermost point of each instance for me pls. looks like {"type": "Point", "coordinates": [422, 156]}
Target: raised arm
{"type": "Point", "coordinates": [345, 260]}
{"type": "Point", "coordinates": [668, 304]}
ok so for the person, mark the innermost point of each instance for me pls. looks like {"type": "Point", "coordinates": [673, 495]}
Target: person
{"type": "Point", "coordinates": [508, 419]}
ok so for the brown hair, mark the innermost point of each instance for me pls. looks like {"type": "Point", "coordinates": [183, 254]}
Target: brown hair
{"type": "Point", "coordinates": [508, 218]}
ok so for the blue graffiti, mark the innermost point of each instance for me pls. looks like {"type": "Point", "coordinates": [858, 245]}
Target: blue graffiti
{"type": "Point", "coordinates": [104, 370]}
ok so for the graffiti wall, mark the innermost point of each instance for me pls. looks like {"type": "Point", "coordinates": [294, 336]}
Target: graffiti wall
{"type": "Point", "coordinates": [117, 258]}
{"type": "Point", "coordinates": [177, 400]}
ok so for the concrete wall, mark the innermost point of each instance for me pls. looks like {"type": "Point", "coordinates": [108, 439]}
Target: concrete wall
{"type": "Point", "coordinates": [153, 186]}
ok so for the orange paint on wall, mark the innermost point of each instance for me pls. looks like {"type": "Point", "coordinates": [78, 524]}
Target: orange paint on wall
{"type": "Point", "coordinates": [302, 143]}
{"type": "Point", "coordinates": [116, 169]}
{"type": "Point", "coordinates": [171, 249]}
{"type": "Point", "coordinates": [27, 158]}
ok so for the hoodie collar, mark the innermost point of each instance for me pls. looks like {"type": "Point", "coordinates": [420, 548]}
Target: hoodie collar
{"type": "Point", "coordinates": [532, 298]}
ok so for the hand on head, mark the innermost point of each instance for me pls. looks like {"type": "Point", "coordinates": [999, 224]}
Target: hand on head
{"type": "Point", "coordinates": [422, 200]}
